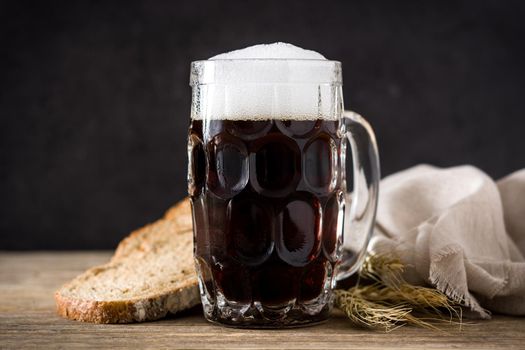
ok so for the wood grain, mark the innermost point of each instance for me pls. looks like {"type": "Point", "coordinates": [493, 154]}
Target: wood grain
{"type": "Point", "coordinates": [28, 320]}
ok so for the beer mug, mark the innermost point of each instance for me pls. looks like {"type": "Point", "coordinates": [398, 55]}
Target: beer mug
{"type": "Point", "coordinates": [275, 226]}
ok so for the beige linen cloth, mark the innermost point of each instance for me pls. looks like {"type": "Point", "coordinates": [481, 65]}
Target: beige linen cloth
{"type": "Point", "coordinates": [459, 231]}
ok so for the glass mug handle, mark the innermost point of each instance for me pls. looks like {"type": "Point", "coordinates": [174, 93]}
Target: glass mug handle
{"type": "Point", "coordinates": [359, 221]}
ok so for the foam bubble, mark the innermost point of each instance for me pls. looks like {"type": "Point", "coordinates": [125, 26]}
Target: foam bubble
{"type": "Point", "coordinates": [274, 81]}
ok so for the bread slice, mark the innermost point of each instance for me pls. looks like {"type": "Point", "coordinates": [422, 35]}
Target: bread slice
{"type": "Point", "coordinates": [151, 273]}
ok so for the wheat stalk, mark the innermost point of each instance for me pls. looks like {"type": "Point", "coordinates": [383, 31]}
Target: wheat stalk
{"type": "Point", "coordinates": [390, 302]}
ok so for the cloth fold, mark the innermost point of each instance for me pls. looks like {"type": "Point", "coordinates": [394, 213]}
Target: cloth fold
{"type": "Point", "coordinates": [459, 231]}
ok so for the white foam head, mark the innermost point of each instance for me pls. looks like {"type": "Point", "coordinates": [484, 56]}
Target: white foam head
{"type": "Point", "coordinates": [275, 81]}
{"type": "Point", "coordinates": [270, 51]}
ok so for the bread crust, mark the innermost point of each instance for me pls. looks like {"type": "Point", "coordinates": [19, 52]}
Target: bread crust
{"type": "Point", "coordinates": [179, 215]}
{"type": "Point", "coordinates": [144, 240]}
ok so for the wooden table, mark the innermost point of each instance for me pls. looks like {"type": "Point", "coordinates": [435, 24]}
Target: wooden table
{"type": "Point", "coordinates": [28, 320]}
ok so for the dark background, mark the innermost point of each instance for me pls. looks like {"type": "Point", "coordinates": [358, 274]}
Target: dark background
{"type": "Point", "coordinates": [94, 97]}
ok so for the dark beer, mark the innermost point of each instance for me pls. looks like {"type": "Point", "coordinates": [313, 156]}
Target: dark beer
{"type": "Point", "coordinates": [267, 201]}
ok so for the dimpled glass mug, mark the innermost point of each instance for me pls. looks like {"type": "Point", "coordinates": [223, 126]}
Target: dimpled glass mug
{"type": "Point", "coordinates": [273, 222]}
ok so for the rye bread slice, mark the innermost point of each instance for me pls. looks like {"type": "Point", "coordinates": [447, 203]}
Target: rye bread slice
{"type": "Point", "coordinates": [151, 273]}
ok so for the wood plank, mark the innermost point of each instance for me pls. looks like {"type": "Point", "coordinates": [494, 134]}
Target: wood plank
{"type": "Point", "coordinates": [27, 320]}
